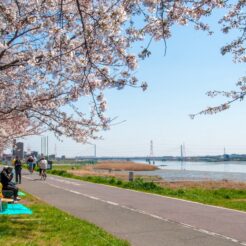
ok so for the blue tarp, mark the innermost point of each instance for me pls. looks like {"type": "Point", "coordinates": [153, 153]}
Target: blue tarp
{"type": "Point", "coordinates": [14, 209]}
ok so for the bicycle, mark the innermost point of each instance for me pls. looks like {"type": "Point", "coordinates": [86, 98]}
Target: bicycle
{"type": "Point", "coordinates": [43, 174]}
{"type": "Point", "coordinates": [30, 168]}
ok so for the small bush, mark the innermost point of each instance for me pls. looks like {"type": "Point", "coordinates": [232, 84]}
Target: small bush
{"type": "Point", "coordinates": [119, 182]}
{"type": "Point", "coordinates": [112, 181]}
{"type": "Point", "coordinates": [226, 196]}
{"type": "Point", "coordinates": [180, 191]}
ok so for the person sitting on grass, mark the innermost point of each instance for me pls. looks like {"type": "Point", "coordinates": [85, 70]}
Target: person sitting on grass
{"type": "Point", "coordinates": [6, 180]}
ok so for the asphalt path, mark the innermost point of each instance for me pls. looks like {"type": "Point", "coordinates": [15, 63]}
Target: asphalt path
{"type": "Point", "coordinates": [142, 219]}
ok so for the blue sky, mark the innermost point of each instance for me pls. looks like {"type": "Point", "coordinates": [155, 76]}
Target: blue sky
{"type": "Point", "coordinates": [177, 82]}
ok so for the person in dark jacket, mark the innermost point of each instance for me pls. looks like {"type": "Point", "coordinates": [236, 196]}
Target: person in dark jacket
{"type": "Point", "coordinates": [18, 167]}
{"type": "Point", "coordinates": [6, 177]}
{"type": "Point", "coordinates": [30, 161]}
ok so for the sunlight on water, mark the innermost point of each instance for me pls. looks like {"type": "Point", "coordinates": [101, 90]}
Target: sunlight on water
{"type": "Point", "coordinates": [175, 170]}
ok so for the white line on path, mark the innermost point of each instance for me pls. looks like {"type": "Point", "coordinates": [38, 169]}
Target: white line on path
{"type": "Point", "coordinates": [149, 214]}
{"type": "Point", "coordinates": [152, 194]}
{"type": "Point", "coordinates": [65, 181]}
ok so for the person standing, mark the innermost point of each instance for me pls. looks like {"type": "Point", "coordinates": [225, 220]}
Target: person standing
{"type": "Point", "coordinates": [18, 167]}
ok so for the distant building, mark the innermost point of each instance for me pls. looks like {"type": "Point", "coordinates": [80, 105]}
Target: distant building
{"type": "Point", "coordinates": [63, 157]}
{"type": "Point", "coordinates": [19, 150]}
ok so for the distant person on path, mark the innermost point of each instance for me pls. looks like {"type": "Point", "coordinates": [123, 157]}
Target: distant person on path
{"type": "Point", "coordinates": [6, 180]}
{"type": "Point", "coordinates": [30, 161]}
{"type": "Point", "coordinates": [38, 163]}
{"type": "Point", "coordinates": [42, 165]}
{"type": "Point", "coordinates": [18, 167]}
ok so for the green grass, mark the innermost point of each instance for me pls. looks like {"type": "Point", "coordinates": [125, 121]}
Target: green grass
{"type": "Point", "coordinates": [50, 226]}
{"type": "Point", "coordinates": [230, 198]}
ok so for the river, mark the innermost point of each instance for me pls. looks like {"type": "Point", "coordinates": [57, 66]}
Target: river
{"type": "Point", "coordinates": [175, 170]}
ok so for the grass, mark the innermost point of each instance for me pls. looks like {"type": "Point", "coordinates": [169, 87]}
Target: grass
{"type": "Point", "coordinates": [50, 226]}
{"type": "Point", "coordinates": [225, 197]}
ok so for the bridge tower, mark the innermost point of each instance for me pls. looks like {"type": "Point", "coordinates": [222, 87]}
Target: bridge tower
{"type": "Point", "coordinates": [151, 154]}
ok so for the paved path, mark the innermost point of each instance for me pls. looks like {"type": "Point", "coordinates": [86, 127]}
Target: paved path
{"type": "Point", "coordinates": [142, 219]}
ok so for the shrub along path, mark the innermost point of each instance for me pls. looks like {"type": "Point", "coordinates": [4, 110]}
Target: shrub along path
{"type": "Point", "coordinates": [143, 219]}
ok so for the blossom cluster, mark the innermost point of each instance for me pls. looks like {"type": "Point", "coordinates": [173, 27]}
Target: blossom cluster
{"type": "Point", "coordinates": [55, 54]}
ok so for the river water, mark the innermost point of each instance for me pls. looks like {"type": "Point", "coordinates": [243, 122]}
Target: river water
{"type": "Point", "coordinates": [176, 170]}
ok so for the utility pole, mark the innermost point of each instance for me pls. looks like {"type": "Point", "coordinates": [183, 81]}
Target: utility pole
{"type": "Point", "coordinates": [13, 148]}
{"type": "Point", "coordinates": [95, 150]}
{"type": "Point", "coordinates": [151, 149]}
{"type": "Point", "coordinates": [28, 150]}
{"type": "Point", "coordinates": [44, 145]}
{"type": "Point", "coordinates": [41, 151]}
{"type": "Point", "coordinates": [151, 154]}
{"type": "Point", "coordinates": [181, 152]}
{"type": "Point", "coordinates": [182, 156]}
{"type": "Point", "coordinates": [47, 148]}
{"type": "Point", "coordinates": [55, 151]}
{"type": "Point", "coordinates": [41, 148]}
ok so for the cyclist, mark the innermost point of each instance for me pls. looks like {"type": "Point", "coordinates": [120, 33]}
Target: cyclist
{"type": "Point", "coordinates": [30, 161]}
{"type": "Point", "coordinates": [42, 166]}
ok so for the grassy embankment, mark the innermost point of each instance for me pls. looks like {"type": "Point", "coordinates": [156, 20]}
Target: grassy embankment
{"type": "Point", "coordinates": [225, 194]}
{"type": "Point", "coordinates": [50, 226]}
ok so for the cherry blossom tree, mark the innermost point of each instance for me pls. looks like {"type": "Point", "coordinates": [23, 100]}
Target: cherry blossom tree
{"type": "Point", "coordinates": [15, 128]}
{"type": "Point", "coordinates": [54, 54]}
{"type": "Point", "coordinates": [233, 21]}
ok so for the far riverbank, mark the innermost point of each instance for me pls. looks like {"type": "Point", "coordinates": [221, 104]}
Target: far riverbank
{"type": "Point", "coordinates": [188, 175]}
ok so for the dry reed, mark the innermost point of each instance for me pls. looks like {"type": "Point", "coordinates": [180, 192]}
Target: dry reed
{"type": "Point", "coordinates": [124, 166]}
